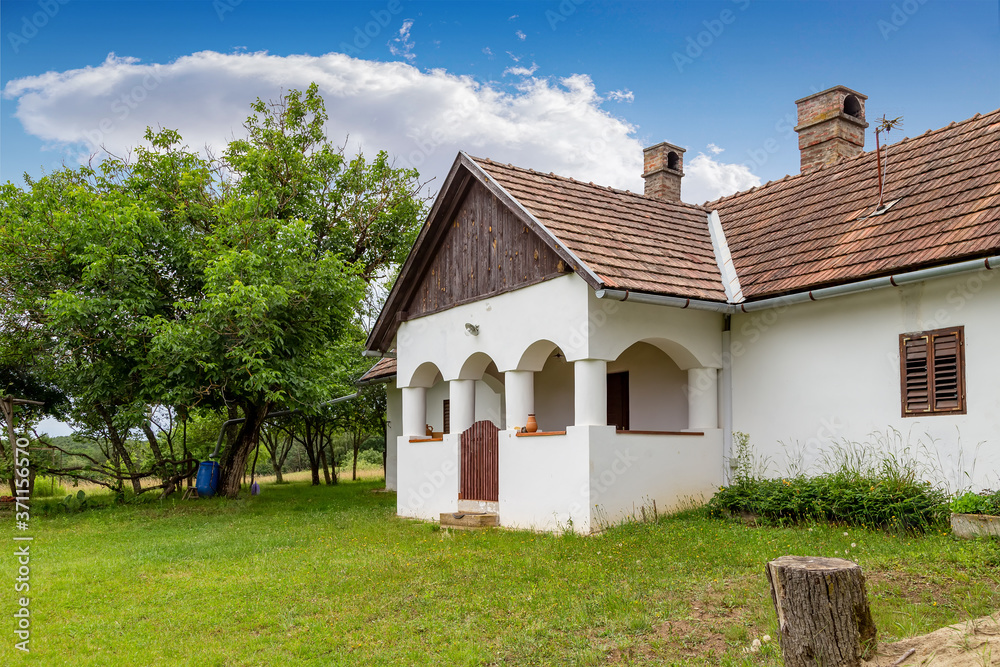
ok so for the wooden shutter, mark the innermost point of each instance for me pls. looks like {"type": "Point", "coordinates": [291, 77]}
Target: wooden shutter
{"type": "Point", "coordinates": [932, 367]}
{"type": "Point", "coordinates": [446, 411]}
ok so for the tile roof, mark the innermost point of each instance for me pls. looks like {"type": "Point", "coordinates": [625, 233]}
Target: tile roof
{"type": "Point", "coordinates": [815, 229]}
{"type": "Point", "coordinates": [630, 241]}
{"type": "Point", "coordinates": [384, 369]}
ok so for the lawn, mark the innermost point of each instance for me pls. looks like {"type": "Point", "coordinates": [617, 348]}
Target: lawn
{"type": "Point", "coordinates": [329, 576]}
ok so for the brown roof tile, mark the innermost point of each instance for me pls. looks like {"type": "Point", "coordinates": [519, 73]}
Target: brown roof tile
{"type": "Point", "coordinates": [384, 369]}
{"type": "Point", "coordinates": [630, 241]}
{"type": "Point", "coordinates": [809, 230]}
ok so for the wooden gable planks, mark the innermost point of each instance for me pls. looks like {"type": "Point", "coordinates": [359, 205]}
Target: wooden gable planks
{"type": "Point", "coordinates": [486, 250]}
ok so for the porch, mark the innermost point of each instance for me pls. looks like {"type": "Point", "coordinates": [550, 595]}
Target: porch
{"type": "Point", "coordinates": [614, 436]}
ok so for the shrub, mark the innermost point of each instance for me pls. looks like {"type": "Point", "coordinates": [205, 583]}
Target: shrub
{"type": "Point", "coordinates": [46, 487]}
{"type": "Point", "coordinates": [986, 502]}
{"type": "Point", "coordinates": [370, 457]}
{"type": "Point", "coordinates": [889, 495]}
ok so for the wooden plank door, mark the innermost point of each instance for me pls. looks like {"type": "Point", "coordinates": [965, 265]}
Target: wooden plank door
{"type": "Point", "coordinates": [480, 471]}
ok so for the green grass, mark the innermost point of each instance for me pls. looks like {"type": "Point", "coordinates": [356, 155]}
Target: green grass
{"type": "Point", "coordinates": [329, 576]}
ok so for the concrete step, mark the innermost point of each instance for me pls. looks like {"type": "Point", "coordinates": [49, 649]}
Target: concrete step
{"type": "Point", "coordinates": [469, 519]}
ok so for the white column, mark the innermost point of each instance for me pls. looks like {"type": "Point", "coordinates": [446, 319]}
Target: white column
{"type": "Point", "coordinates": [519, 393]}
{"type": "Point", "coordinates": [414, 411]}
{"type": "Point", "coordinates": [591, 392]}
{"type": "Point", "coordinates": [462, 394]}
{"type": "Point", "coordinates": [703, 398]}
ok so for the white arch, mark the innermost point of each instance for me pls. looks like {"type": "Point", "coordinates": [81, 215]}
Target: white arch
{"type": "Point", "coordinates": [475, 366]}
{"type": "Point", "coordinates": [534, 358]}
{"type": "Point", "coordinates": [680, 355]}
{"type": "Point", "coordinates": [426, 374]}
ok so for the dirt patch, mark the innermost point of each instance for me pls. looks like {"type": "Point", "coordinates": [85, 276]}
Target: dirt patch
{"type": "Point", "coordinates": [694, 636]}
{"type": "Point", "coordinates": [908, 586]}
{"type": "Point", "coordinates": [974, 643]}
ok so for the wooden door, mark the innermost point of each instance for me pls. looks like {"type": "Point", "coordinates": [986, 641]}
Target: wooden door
{"type": "Point", "coordinates": [618, 400]}
{"type": "Point", "coordinates": [480, 471]}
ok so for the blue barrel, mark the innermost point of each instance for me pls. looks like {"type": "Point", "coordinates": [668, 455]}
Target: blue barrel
{"type": "Point", "coordinates": [208, 478]}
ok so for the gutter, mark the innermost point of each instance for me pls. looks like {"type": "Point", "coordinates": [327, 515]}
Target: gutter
{"type": "Point", "coordinates": [897, 280]}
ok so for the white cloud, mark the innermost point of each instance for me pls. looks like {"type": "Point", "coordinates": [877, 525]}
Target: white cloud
{"type": "Point", "coordinates": [511, 18]}
{"type": "Point", "coordinates": [521, 36]}
{"type": "Point", "coordinates": [422, 118]}
{"type": "Point", "coordinates": [402, 45]}
{"type": "Point", "coordinates": [715, 150]}
{"type": "Point", "coordinates": [488, 51]}
{"type": "Point", "coordinates": [521, 71]}
{"type": "Point", "coordinates": [706, 179]}
{"type": "Point", "coordinates": [623, 95]}
{"type": "Point", "coordinates": [513, 57]}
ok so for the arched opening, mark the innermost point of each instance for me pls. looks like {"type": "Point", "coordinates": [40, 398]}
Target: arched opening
{"type": "Point", "coordinates": [487, 394]}
{"type": "Point", "coordinates": [852, 106]}
{"type": "Point", "coordinates": [673, 161]}
{"type": "Point", "coordinates": [426, 375]}
{"type": "Point", "coordinates": [554, 391]}
{"type": "Point", "coordinates": [646, 390]}
{"type": "Point", "coordinates": [536, 356]}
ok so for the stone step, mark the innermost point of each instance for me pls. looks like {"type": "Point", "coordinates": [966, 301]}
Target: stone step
{"type": "Point", "coordinates": [469, 519]}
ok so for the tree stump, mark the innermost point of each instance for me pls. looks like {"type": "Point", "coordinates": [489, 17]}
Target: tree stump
{"type": "Point", "coordinates": [823, 614]}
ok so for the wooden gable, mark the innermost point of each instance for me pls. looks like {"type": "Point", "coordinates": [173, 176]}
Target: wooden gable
{"type": "Point", "coordinates": [478, 241]}
{"type": "Point", "coordinates": [486, 250]}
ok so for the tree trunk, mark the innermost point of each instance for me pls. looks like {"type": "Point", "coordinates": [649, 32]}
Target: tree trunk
{"type": "Point", "coordinates": [121, 453]}
{"type": "Point", "coordinates": [326, 468]}
{"type": "Point", "coordinates": [234, 464]}
{"type": "Point", "coordinates": [823, 614]}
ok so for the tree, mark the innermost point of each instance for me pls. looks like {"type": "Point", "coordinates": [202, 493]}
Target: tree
{"type": "Point", "coordinates": [178, 280]}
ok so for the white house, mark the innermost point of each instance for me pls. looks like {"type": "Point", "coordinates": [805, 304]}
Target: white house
{"type": "Point", "coordinates": [642, 331]}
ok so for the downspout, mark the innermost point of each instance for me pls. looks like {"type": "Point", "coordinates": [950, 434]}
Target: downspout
{"type": "Point", "coordinates": [726, 402]}
{"type": "Point", "coordinates": [269, 415]}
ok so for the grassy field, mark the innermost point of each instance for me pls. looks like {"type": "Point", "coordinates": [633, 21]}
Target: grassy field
{"type": "Point", "coordinates": [329, 576]}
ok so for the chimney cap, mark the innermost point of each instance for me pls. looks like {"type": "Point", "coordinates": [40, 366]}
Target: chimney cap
{"type": "Point", "coordinates": [830, 90]}
{"type": "Point", "coordinates": [664, 144]}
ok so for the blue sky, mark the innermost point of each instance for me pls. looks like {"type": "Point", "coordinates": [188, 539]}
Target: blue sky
{"type": "Point", "coordinates": [572, 87]}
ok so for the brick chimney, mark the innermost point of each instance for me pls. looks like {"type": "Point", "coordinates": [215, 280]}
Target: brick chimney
{"type": "Point", "coordinates": [831, 127]}
{"type": "Point", "coordinates": [663, 169]}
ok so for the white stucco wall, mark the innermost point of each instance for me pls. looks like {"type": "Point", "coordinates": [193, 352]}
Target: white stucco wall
{"type": "Point", "coordinates": [814, 374]}
{"type": "Point", "coordinates": [629, 471]}
{"type": "Point", "coordinates": [692, 338]}
{"type": "Point", "coordinates": [657, 401]}
{"type": "Point", "coordinates": [393, 429]}
{"type": "Point", "coordinates": [427, 477]}
{"type": "Point", "coordinates": [543, 482]}
{"type": "Point", "coordinates": [508, 324]}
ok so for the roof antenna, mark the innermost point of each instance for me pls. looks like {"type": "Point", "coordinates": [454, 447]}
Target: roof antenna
{"type": "Point", "coordinates": [884, 125]}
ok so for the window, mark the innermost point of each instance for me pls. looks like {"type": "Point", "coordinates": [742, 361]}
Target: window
{"type": "Point", "coordinates": [932, 372]}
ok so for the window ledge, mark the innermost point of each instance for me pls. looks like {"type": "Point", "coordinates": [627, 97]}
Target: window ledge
{"type": "Point", "coordinates": [539, 433]}
{"type": "Point", "coordinates": [426, 439]}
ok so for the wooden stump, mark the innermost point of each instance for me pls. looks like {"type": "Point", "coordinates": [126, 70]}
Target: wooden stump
{"type": "Point", "coordinates": [823, 614]}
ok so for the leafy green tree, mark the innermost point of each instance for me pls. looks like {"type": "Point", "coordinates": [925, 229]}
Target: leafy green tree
{"type": "Point", "coordinates": [224, 284]}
